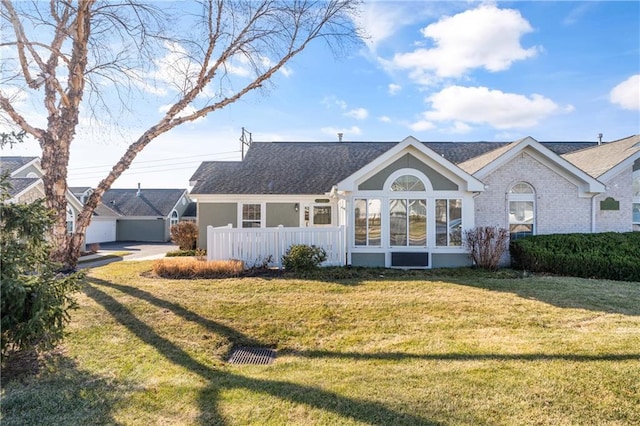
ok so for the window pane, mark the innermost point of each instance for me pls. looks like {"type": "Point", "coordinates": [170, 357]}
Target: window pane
{"type": "Point", "coordinates": [374, 218]}
{"type": "Point", "coordinates": [398, 222]}
{"type": "Point", "coordinates": [322, 215]}
{"type": "Point", "coordinates": [455, 222]}
{"type": "Point", "coordinates": [441, 222]}
{"type": "Point", "coordinates": [521, 188]}
{"type": "Point", "coordinates": [417, 223]}
{"type": "Point", "coordinates": [407, 183]}
{"type": "Point", "coordinates": [250, 224]}
{"type": "Point", "coordinates": [520, 212]}
{"type": "Point", "coordinates": [360, 222]}
{"type": "Point", "coordinates": [251, 212]}
{"type": "Point", "coordinates": [636, 213]}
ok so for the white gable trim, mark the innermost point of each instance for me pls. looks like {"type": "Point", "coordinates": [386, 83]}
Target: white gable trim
{"type": "Point", "coordinates": [533, 148]}
{"type": "Point", "coordinates": [412, 146]}
{"type": "Point", "coordinates": [35, 162]}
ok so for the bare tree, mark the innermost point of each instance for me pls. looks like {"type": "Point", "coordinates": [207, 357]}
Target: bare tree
{"type": "Point", "coordinates": [69, 53]}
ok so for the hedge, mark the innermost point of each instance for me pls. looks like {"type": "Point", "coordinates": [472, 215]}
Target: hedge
{"type": "Point", "coordinates": [609, 255]}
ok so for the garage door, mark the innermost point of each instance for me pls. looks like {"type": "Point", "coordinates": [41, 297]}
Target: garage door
{"type": "Point", "coordinates": [101, 231]}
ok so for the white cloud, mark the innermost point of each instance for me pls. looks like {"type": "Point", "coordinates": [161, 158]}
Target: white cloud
{"type": "Point", "coordinates": [333, 131]}
{"type": "Point", "coordinates": [485, 37]}
{"type": "Point", "coordinates": [380, 20]}
{"type": "Point", "coordinates": [422, 125]}
{"type": "Point", "coordinates": [358, 113]}
{"type": "Point", "coordinates": [459, 128]}
{"type": "Point", "coordinates": [481, 105]}
{"type": "Point", "coordinates": [286, 71]}
{"type": "Point", "coordinates": [627, 94]}
{"type": "Point", "coordinates": [394, 88]}
{"type": "Point", "coordinates": [333, 101]}
{"type": "Point", "coordinates": [384, 119]}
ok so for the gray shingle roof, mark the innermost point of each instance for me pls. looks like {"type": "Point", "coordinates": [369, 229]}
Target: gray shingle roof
{"type": "Point", "coordinates": [19, 184]}
{"type": "Point", "coordinates": [191, 209]}
{"type": "Point", "coordinates": [151, 202]}
{"type": "Point", "coordinates": [11, 164]}
{"type": "Point", "coordinates": [314, 167]}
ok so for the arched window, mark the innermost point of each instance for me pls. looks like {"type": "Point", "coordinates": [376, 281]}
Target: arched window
{"type": "Point", "coordinates": [522, 199]}
{"type": "Point", "coordinates": [174, 219]}
{"type": "Point", "coordinates": [408, 183]}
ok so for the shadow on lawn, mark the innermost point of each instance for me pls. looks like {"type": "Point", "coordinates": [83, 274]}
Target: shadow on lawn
{"type": "Point", "coordinates": [360, 410]}
{"type": "Point", "coordinates": [48, 393]}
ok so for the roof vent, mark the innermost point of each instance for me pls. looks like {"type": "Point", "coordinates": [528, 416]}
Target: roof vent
{"type": "Point", "coordinates": [139, 191]}
{"type": "Point", "coordinates": [340, 135]}
{"type": "Point", "coordinates": [599, 138]}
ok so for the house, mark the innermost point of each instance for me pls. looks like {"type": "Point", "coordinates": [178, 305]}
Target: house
{"type": "Point", "coordinates": [25, 180]}
{"type": "Point", "coordinates": [142, 214]}
{"type": "Point", "coordinates": [407, 204]}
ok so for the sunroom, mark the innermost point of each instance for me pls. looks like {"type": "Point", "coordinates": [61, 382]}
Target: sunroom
{"type": "Point", "coordinates": [409, 209]}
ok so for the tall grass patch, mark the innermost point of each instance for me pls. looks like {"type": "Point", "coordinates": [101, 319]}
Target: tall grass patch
{"type": "Point", "coordinates": [177, 268]}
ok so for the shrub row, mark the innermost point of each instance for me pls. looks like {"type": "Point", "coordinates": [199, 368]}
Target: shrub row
{"type": "Point", "coordinates": [609, 255]}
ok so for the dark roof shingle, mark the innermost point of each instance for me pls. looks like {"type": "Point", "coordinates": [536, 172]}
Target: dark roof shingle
{"type": "Point", "coordinates": [314, 167]}
{"type": "Point", "coordinates": [150, 202]}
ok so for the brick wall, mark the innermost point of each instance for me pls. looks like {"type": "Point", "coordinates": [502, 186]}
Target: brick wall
{"type": "Point", "coordinates": [558, 209]}
{"type": "Point", "coordinates": [618, 188]}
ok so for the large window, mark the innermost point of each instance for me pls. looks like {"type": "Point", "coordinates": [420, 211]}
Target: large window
{"type": "Point", "coordinates": [251, 215]}
{"type": "Point", "coordinates": [449, 222]}
{"type": "Point", "coordinates": [174, 219]}
{"type": "Point", "coordinates": [521, 210]}
{"type": "Point", "coordinates": [407, 183]}
{"type": "Point", "coordinates": [407, 222]}
{"type": "Point", "coordinates": [367, 219]}
{"type": "Point", "coordinates": [71, 220]}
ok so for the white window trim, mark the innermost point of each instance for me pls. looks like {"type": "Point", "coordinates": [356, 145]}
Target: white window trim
{"type": "Point", "coordinates": [263, 213]}
{"type": "Point", "coordinates": [174, 220]}
{"type": "Point", "coordinates": [522, 197]}
{"type": "Point", "coordinates": [428, 188]}
{"type": "Point", "coordinates": [71, 217]}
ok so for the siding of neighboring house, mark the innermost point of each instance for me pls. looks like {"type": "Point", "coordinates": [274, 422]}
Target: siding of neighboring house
{"type": "Point", "coordinates": [152, 230]}
{"type": "Point", "coordinates": [558, 208]}
{"type": "Point", "coordinates": [216, 215]}
{"type": "Point", "coordinates": [618, 189]}
{"type": "Point", "coordinates": [26, 171]}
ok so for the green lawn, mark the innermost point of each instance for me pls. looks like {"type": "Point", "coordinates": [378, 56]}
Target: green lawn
{"type": "Point", "coordinates": [440, 347]}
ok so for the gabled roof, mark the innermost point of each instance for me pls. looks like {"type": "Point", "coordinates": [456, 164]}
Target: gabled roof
{"type": "Point", "coordinates": [19, 185]}
{"type": "Point", "coordinates": [12, 164]}
{"type": "Point", "coordinates": [608, 158]}
{"type": "Point", "coordinates": [314, 167]}
{"type": "Point", "coordinates": [150, 202]}
{"type": "Point", "coordinates": [191, 210]}
{"type": "Point", "coordinates": [490, 161]}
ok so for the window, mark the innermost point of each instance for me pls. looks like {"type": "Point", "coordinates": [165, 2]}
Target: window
{"type": "Point", "coordinates": [71, 220]}
{"type": "Point", "coordinates": [251, 215]}
{"type": "Point", "coordinates": [449, 222]}
{"type": "Point", "coordinates": [407, 222]}
{"type": "Point", "coordinates": [173, 220]}
{"type": "Point", "coordinates": [322, 215]}
{"type": "Point", "coordinates": [367, 217]}
{"type": "Point", "coordinates": [408, 183]}
{"type": "Point", "coordinates": [521, 210]}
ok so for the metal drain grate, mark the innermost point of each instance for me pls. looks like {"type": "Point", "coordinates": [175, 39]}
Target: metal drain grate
{"type": "Point", "coordinates": [253, 356]}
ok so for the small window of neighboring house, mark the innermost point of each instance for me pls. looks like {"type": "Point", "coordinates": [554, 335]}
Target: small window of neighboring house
{"type": "Point", "coordinates": [635, 189]}
{"type": "Point", "coordinates": [174, 219]}
{"type": "Point", "coordinates": [521, 210]}
{"type": "Point", "coordinates": [71, 220]}
{"type": "Point", "coordinates": [251, 215]}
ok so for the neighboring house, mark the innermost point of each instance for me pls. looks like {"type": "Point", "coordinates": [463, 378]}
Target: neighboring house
{"type": "Point", "coordinates": [103, 226]}
{"type": "Point", "coordinates": [407, 204]}
{"type": "Point", "coordinates": [145, 214]}
{"type": "Point", "coordinates": [25, 178]}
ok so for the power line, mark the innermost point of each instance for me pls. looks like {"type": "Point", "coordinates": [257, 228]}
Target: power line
{"type": "Point", "coordinates": [94, 171]}
{"type": "Point", "coordinates": [156, 161]}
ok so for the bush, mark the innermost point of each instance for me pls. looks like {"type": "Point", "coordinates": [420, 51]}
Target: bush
{"type": "Point", "coordinates": [609, 255]}
{"type": "Point", "coordinates": [177, 268]}
{"type": "Point", "coordinates": [185, 235]}
{"type": "Point", "coordinates": [486, 245]}
{"type": "Point", "coordinates": [301, 257]}
{"type": "Point", "coordinates": [35, 300]}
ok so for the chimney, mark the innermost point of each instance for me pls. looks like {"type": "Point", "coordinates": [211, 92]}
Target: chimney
{"type": "Point", "coordinates": [340, 137]}
{"type": "Point", "coordinates": [138, 193]}
{"type": "Point", "coordinates": [599, 138]}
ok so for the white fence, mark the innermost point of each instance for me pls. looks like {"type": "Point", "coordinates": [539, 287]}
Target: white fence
{"type": "Point", "coordinates": [256, 245]}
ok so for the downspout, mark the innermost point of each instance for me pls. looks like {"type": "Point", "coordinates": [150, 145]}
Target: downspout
{"type": "Point", "coordinates": [593, 213]}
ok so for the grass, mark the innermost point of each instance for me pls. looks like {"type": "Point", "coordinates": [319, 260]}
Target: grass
{"type": "Point", "coordinates": [189, 267]}
{"type": "Point", "coordinates": [354, 347]}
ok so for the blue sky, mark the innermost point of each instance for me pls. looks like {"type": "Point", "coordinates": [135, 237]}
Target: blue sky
{"type": "Point", "coordinates": [439, 71]}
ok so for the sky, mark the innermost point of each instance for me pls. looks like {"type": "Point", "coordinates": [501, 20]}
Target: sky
{"type": "Point", "coordinates": [438, 71]}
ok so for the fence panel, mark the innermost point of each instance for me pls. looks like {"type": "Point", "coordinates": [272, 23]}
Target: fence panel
{"type": "Point", "coordinates": [255, 246]}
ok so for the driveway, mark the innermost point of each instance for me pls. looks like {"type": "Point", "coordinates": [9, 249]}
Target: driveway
{"type": "Point", "coordinates": [137, 250]}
